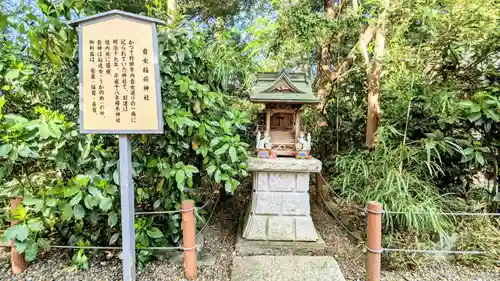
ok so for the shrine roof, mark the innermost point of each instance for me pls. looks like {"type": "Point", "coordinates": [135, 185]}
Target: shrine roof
{"type": "Point", "coordinates": [115, 13]}
{"type": "Point", "coordinates": [273, 87]}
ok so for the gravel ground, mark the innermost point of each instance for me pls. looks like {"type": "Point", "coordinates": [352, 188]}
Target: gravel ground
{"type": "Point", "coordinates": [218, 251]}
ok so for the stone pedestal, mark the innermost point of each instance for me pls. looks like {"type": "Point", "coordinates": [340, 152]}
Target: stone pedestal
{"type": "Point", "coordinates": [280, 209]}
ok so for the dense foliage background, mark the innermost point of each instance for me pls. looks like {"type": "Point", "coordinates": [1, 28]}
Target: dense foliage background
{"type": "Point", "coordinates": [69, 182]}
{"type": "Point", "coordinates": [437, 144]}
{"type": "Point", "coordinates": [410, 98]}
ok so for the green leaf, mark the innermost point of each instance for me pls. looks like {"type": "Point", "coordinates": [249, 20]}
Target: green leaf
{"type": "Point", "coordinates": [228, 186]}
{"type": "Point", "coordinates": [4, 20]}
{"type": "Point", "coordinates": [479, 157]}
{"type": "Point", "coordinates": [35, 225]}
{"type": "Point", "coordinates": [202, 130]}
{"type": "Point", "coordinates": [106, 203]}
{"type": "Point", "coordinates": [22, 232]}
{"type": "Point", "coordinates": [31, 252]}
{"type": "Point", "coordinates": [43, 243]}
{"type": "Point", "coordinates": [91, 201]}
{"type": "Point", "coordinates": [492, 114]}
{"type": "Point", "coordinates": [466, 103]}
{"type": "Point", "coordinates": [215, 142]}
{"type": "Point", "coordinates": [116, 177]}
{"type": "Point", "coordinates": [76, 199]}
{"type": "Point", "coordinates": [114, 238]}
{"type": "Point", "coordinates": [474, 116]}
{"type": "Point", "coordinates": [222, 149]}
{"type": "Point", "coordinates": [468, 151]}
{"type": "Point", "coordinates": [210, 170]}
{"type": "Point", "coordinates": [154, 232]}
{"type": "Point", "coordinates": [51, 202]}
{"type": "Point", "coordinates": [217, 176]}
{"type": "Point", "coordinates": [94, 218]}
{"type": "Point", "coordinates": [29, 201]}
{"type": "Point", "coordinates": [225, 167]}
{"type": "Point", "coordinates": [232, 154]}
{"type": "Point", "coordinates": [79, 212]}
{"type": "Point", "coordinates": [54, 130]}
{"type": "Point", "coordinates": [70, 191]}
{"type": "Point", "coordinates": [19, 232]}
{"type": "Point", "coordinates": [152, 163]}
{"type": "Point", "coordinates": [5, 149]}
{"type": "Point", "coordinates": [12, 74]}
{"type": "Point", "coordinates": [24, 151]}
{"type": "Point", "coordinates": [184, 87]}
{"type": "Point", "coordinates": [110, 189]}
{"type": "Point", "coordinates": [485, 149]}
{"type": "Point", "coordinates": [67, 213]}
{"type": "Point", "coordinates": [112, 219]}
{"type": "Point", "coordinates": [180, 55]}
{"type": "Point", "coordinates": [94, 191]}
{"type": "Point", "coordinates": [38, 203]}
{"type": "Point", "coordinates": [43, 130]}
{"type": "Point", "coordinates": [191, 169]}
{"type": "Point", "coordinates": [21, 246]}
{"type": "Point", "coordinates": [179, 176]}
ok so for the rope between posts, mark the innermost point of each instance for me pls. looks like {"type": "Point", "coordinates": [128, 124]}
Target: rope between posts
{"type": "Point", "coordinates": [173, 212]}
{"type": "Point", "coordinates": [335, 193]}
{"type": "Point", "coordinates": [426, 251]}
{"type": "Point", "coordinates": [145, 248]}
{"type": "Point", "coordinates": [443, 213]}
{"type": "Point", "coordinates": [114, 247]}
{"type": "Point", "coordinates": [337, 219]}
{"type": "Point", "coordinates": [209, 217]}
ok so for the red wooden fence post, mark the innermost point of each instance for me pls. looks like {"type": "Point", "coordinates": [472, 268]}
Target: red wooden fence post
{"type": "Point", "coordinates": [17, 259]}
{"type": "Point", "coordinates": [374, 213]}
{"type": "Point", "coordinates": [189, 233]}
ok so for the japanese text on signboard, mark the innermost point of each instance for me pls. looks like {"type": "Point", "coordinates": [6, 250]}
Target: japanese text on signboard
{"type": "Point", "coordinates": [119, 89]}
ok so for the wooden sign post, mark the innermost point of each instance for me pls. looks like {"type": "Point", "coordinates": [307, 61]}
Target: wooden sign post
{"type": "Point", "coordinates": [120, 94]}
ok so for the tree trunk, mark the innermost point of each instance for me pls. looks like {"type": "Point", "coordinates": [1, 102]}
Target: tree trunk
{"type": "Point", "coordinates": [355, 5]}
{"type": "Point", "coordinates": [325, 59]}
{"type": "Point", "coordinates": [373, 114]}
{"type": "Point", "coordinates": [172, 7]}
{"type": "Point", "coordinates": [374, 74]}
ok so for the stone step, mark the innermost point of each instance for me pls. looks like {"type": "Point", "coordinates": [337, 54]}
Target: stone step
{"type": "Point", "coordinates": [286, 268]}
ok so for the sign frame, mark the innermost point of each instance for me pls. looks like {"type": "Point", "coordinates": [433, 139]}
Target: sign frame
{"type": "Point", "coordinates": [134, 18]}
{"type": "Point", "coordinates": [127, 190]}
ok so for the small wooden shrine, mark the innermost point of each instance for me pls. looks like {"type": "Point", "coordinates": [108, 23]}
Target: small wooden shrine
{"type": "Point", "coordinates": [283, 95]}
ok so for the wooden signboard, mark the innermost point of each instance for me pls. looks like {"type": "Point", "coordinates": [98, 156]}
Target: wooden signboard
{"type": "Point", "coordinates": [120, 94]}
{"type": "Point", "coordinates": [119, 75]}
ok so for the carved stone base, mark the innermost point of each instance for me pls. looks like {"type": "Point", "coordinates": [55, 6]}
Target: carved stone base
{"type": "Point", "coordinates": [280, 208]}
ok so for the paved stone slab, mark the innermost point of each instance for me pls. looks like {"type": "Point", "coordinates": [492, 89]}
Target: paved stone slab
{"type": "Point", "coordinates": [285, 268]}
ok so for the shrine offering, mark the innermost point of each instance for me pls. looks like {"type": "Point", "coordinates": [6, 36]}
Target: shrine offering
{"type": "Point", "coordinates": [119, 77]}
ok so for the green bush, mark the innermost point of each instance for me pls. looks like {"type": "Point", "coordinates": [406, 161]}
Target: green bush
{"type": "Point", "coordinates": [69, 182]}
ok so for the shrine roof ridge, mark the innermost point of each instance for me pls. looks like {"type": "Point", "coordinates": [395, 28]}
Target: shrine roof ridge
{"type": "Point", "coordinates": [297, 88]}
{"type": "Point", "coordinates": [116, 13]}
